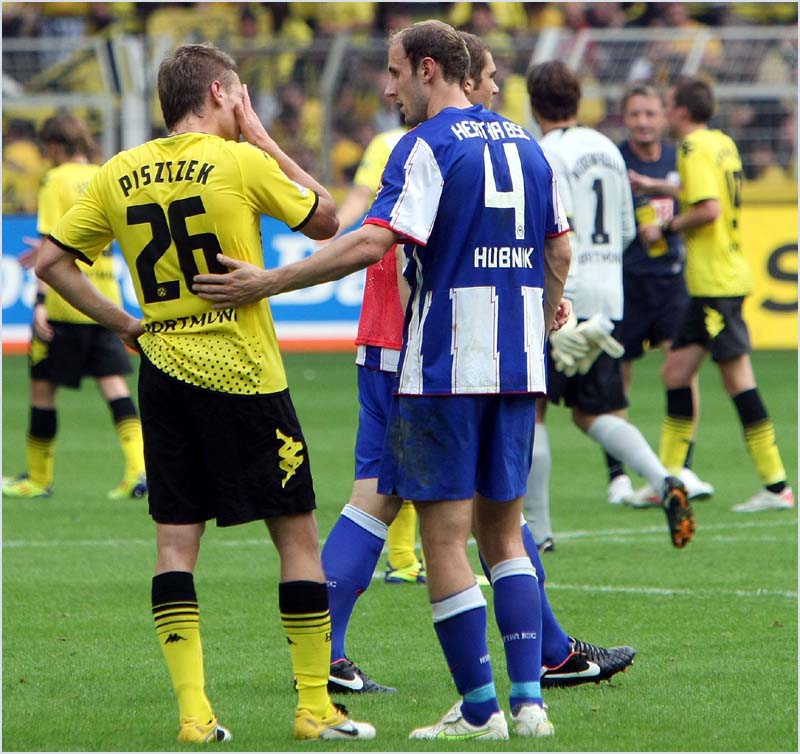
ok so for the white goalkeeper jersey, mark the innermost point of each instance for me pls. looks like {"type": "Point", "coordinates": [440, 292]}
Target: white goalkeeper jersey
{"type": "Point", "coordinates": [594, 189]}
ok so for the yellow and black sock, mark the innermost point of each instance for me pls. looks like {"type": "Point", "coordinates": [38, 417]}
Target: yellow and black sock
{"type": "Point", "coordinates": [759, 435]}
{"type": "Point", "coordinates": [40, 446]}
{"type": "Point", "coordinates": [177, 619]}
{"type": "Point", "coordinates": [689, 460]}
{"type": "Point", "coordinates": [129, 432]}
{"type": "Point", "coordinates": [401, 537]}
{"type": "Point", "coordinates": [676, 429]}
{"type": "Point", "coordinates": [307, 622]}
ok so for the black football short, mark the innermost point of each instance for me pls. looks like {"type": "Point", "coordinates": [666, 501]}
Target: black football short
{"type": "Point", "coordinates": [717, 325]}
{"type": "Point", "coordinates": [599, 391]}
{"type": "Point", "coordinates": [77, 351]}
{"type": "Point", "coordinates": [653, 310]}
{"type": "Point", "coordinates": [212, 455]}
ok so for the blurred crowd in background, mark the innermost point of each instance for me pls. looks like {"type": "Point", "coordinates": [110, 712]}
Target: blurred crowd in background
{"type": "Point", "coordinates": [285, 82]}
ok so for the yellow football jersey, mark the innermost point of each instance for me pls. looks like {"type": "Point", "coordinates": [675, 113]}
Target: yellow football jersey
{"type": "Point", "coordinates": [173, 204]}
{"type": "Point", "coordinates": [62, 186]}
{"type": "Point", "coordinates": [710, 168]}
{"type": "Point", "coordinates": [375, 157]}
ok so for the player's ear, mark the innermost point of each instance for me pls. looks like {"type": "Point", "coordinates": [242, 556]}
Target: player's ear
{"type": "Point", "coordinates": [427, 67]}
{"type": "Point", "coordinates": [216, 91]}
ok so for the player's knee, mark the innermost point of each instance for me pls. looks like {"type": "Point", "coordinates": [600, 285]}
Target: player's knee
{"type": "Point", "coordinates": [673, 376]}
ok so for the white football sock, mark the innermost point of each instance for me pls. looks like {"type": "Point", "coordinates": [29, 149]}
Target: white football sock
{"type": "Point", "coordinates": [624, 441]}
{"type": "Point", "coordinates": [536, 503]}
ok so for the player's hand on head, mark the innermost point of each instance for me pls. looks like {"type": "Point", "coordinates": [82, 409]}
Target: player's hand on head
{"type": "Point", "coordinates": [242, 284]}
{"type": "Point", "coordinates": [249, 123]}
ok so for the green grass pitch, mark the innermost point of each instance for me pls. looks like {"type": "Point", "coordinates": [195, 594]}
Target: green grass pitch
{"type": "Point", "coordinates": [715, 624]}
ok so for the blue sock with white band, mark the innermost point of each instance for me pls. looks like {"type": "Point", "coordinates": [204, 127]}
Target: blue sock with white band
{"type": "Point", "coordinates": [460, 623]}
{"type": "Point", "coordinates": [518, 613]}
{"type": "Point", "coordinates": [555, 642]}
{"type": "Point", "coordinates": [349, 557]}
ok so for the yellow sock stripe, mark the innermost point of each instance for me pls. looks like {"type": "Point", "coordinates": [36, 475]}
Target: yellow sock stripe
{"type": "Point", "coordinates": [175, 618]}
{"type": "Point", "coordinates": [306, 616]}
{"type": "Point", "coordinates": [181, 606]}
{"type": "Point", "coordinates": [128, 423]}
{"type": "Point", "coordinates": [762, 428]}
{"type": "Point", "coordinates": [760, 439]}
{"type": "Point", "coordinates": [35, 442]}
{"type": "Point", "coordinates": [305, 624]}
{"type": "Point", "coordinates": [176, 613]}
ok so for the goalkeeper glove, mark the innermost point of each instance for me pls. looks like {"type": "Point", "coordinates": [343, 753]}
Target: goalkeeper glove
{"type": "Point", "coordinates": [597, 331]}
{"type": "Point", "coordinates": [567, 346]}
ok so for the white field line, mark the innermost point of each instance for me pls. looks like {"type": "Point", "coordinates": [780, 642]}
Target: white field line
{"type": "Point", "coordinates": [619, 535]}
{"type": "Point", "coordinates": [659, 592]}
{"type": "Point", "coordinates": [741, 531]}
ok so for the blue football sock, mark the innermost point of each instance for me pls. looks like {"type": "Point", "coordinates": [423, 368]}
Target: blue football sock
{"type": "Point", "coordinates": [555, 642]}
{"type": "Point", "coordinates": [519, 618]}
{"type": "Point", "coordinates": [460, 623]}
{"type": "Point", "coordinates": [349, 557]}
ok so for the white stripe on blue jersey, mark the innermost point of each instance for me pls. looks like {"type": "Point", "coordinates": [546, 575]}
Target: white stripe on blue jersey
{"type": "Point", "coordinates": [378, 357]}
{"type": "Point", "coordinates": [414, 211]}
{"type": "Point", "coordinates": [475, 197]}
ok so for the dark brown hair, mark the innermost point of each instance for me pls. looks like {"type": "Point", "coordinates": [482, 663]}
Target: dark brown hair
{"type": "Point", "coordinates": [437, 40]}
{"type": "Point", "coordinates": [554, 91]}
{"type": "Point", "coordinates": [696, 96]}
{"type": "Point", "coordinates": [477, 50]}
{"type": "Point", "coordinates": [184, 78]}
{"type": "Point", "coordinates": [68, 131]}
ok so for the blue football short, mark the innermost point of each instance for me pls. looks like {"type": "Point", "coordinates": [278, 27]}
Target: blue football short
{"type": "Point", "coordinates": [374, 397]}
{"type": "Point", "coordinates": [449, 447]}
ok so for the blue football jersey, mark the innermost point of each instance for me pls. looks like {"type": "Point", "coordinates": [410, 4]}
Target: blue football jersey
{"type": "Point", "coordinates": [474, 197]}
{"type": "Point", "coordinates": [664, 259]}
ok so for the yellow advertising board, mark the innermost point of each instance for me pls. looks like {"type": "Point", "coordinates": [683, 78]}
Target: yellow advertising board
{"type": "Point", "coordinates": [769, 240]}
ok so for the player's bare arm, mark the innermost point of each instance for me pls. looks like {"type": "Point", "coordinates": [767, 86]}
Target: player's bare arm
{"type": "Point", "coordinates": [323, 223]}
{"type": "Point", "coordinates": [59, 269]}
{"type": "Point", "coordinates": [696, 216]}
{"type": "Point", "coordinates": [644, 184]}
{"type": "Point", "coordinates": [246, 283]}
{"type": "Point", "coordinates": [557, 256]}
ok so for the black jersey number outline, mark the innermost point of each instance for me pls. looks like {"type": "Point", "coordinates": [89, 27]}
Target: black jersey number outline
{"type": "Point", "coordinates": [733, 180]}
{"type": "Point", "coordinates": [599, 235]}
{"type": "Point", "coordinates": [164, 234]}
